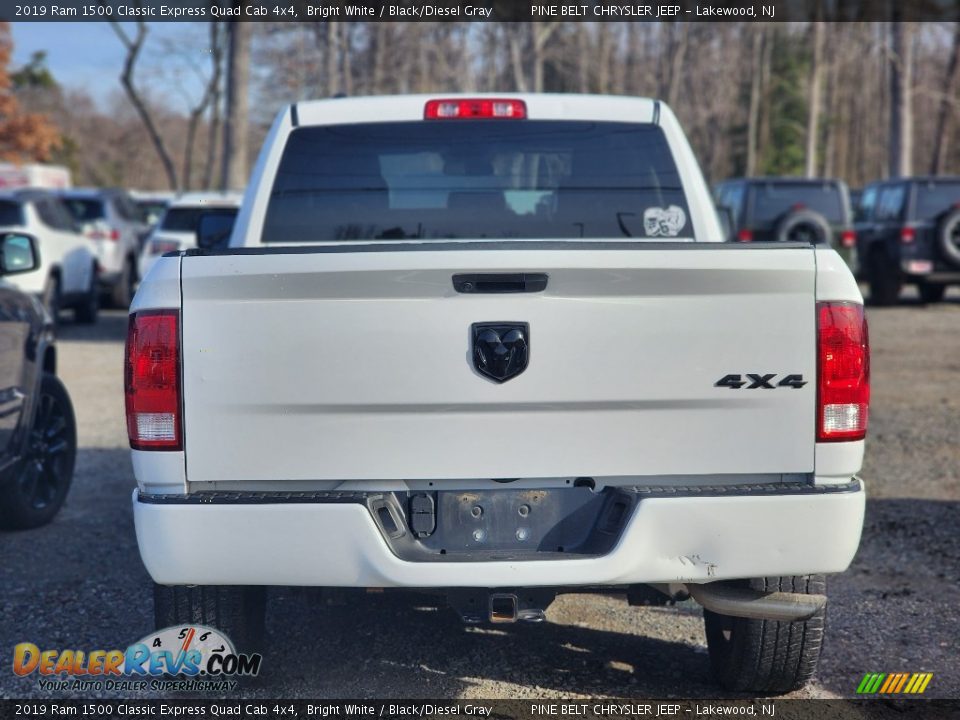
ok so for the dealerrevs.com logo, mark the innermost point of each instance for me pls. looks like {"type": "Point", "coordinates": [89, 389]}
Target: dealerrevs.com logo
{"type": "Point", "coordinates": [194, 657]}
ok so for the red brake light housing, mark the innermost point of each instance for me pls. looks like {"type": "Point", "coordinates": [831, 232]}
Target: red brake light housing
{"type": "Point", "coordinates": [103, 234]}
{"type": "Point", "coordinates": [745, 235]}
{"type": "Point", "coordinates": [848, 238]}
{"type": "Point", "coordinates": [161, 246]}
{"type": "Point", "coordinates": [907, 235]}
{"type": "Point", "coordinates": [475, 109]}
{"type": "Point", "coordinates": [843, 372]}
{"type": "Point", "coordinates": [152, 381]}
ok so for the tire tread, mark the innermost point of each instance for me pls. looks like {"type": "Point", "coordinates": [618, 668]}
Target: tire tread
{"type": "Point", "coordinates": [768, 656]}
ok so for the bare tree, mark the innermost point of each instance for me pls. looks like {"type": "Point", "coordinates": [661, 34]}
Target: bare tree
{"type": "Point", "coordinates": [901, 89]}
{"type": "Point", "coordinates": [541, 33]}
{"type": "Point", "coordinates": [947, 107]}
{"type": "Point", "coordinates": [674, 61]}
{"type": "Point", "coordinates": [210, 94]}
{"type": "Point", "coordinates": [213, 126]}
{"type": "Point", "coordinates": [753, 111]}
{"type": "Point", "coordinates": [814, 100]}
{"type": "Point", "coordinates": [134, 45]}
{"type": "Point", "coordinates": [235, 126]}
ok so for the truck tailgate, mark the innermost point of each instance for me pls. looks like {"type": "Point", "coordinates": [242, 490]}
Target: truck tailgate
{"type": "Point", "coordinates": [325, 365]}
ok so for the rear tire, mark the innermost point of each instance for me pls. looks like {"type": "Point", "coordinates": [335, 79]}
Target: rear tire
{"type": "Point", "coordinates": [33, 490]}
{"type": "Point", "coordinates": [767, 656]}
{"type": "Point", "coordinates": [237, 612]}
{"type": "Point", "coordinates": [122, 294]}
{"type": "Point", "coordinates": [803, 226]}
{"type": "Point", "coordinates": [930, 292]}
{"type": "Point", "coordinates": [51, 298]}
{"type": "Point", "coordinates": [948, 235]}
{"type": "Point", "coordinates": [885, 282]}
{"type": "Point", "coordinates": [88, 309]}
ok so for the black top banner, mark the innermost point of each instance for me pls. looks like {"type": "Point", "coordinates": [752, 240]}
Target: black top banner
{"type": "Point", "coordinates": [480, 10]}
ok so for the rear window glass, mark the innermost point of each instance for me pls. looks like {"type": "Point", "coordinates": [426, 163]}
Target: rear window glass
{"type": "Point", "coordinates": [771, 201]}
{"type": "Point", "coordinates": [186, 219]}
{"type": "Point", "coordinates": [151, 209]}
{"type": "Point", "coordinates": [11, 213]}
{"type": "Point", "coordinates": [476, 179]}
{"type": "Point", "coordinates": [84, 210]}
{"type": "Point", "coordinates": [935, 198]}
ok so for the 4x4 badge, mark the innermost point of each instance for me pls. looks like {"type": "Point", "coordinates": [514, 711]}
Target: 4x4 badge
{"type": "Point", "coordinates": [500, 350]}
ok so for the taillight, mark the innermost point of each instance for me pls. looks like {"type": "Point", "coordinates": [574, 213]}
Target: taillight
{"type": "Point", "coordinates": [152, 380]}
{"type": "Point", "coordinates": [161, 247]}
{"type": "Point", "coordinates": [480, 108]}
{"type": "Point", "coordinates": [103, 234]}
{"type": "Point", "coordinates": [907, 235]}
{"type": "Point", "coordinates": [843, 372]}
{"type": "Point", "coordinates": [848, 238]}
{"type": "Point", "coordinates": [745, 235]}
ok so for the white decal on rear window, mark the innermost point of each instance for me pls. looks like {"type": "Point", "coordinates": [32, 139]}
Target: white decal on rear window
{"type": "Point", "coordinates": [666, 222]}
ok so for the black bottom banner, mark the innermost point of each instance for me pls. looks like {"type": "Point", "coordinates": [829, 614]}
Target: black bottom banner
{"type": "Point", "coordinates": [520, 709]}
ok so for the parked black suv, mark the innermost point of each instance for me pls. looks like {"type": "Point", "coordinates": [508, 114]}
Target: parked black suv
{"type": "Point", "coordinates": [38, 435]}
{"type": "Point", "coordinates": [789, 209]}
{"type": "Point", "coordinates": [908, 231]}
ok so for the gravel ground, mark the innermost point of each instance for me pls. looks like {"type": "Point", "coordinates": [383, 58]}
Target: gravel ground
{"type": "Point", "coordinates": [79, 583]}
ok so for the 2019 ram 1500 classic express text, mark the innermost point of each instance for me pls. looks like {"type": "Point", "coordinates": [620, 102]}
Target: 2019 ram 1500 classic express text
{"type": "Point", "coordinates": [495, 348]}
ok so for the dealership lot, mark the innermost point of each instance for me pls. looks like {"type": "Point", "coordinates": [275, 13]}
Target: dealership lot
{"type": "Point", "coordinates": [79, 583]}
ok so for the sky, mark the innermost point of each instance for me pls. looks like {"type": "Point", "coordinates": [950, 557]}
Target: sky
{"type": "Point", "coordinates": [89, 55]}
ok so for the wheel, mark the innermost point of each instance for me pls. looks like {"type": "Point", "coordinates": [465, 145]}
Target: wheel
{"type": "Point", "coordinates": [88, 309]}
{"type": "Point", "coordinates": [238, 612]}
{"type": "Point", "coordinates": [122, 293]}
{"type": "Point", "coordinates": [34, 490]}
{"type": "Point", "coordinates": [930, 292]}
{"type": "Point", "coordinates": [948, 235]}
{"type": "Point", "coordinates": [804, 226]}
{"type": "Point", "coordinates": [51, 298]}
{"type": "Point", "coordinates": [885, 282]}
{"type": "Point", "coordinates": [767, 656]}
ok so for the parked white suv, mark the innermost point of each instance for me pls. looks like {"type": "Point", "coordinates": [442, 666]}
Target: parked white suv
{"type": "Point", "coordinates": [495, 347]}
{"type": "Point", "coordinates": [67, 275]}
{"type": "Point", "coordinates": [115, 224]}
{"type": "Point", "coordinates": [177, 228]}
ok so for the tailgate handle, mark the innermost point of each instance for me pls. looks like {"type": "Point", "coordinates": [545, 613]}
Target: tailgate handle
{"type": "Point", "coordinates": [500, 283]}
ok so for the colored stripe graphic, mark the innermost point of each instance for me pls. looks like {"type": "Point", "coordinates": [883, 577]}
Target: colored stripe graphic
{"type": "Point", "coordinates": [893, 683]}
{"type": "Point", "coordinates": [891, 680]}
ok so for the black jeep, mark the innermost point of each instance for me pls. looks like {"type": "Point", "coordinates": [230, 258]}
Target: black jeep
{"type": "Point", "coordinates": [814, 210]}
{"type": "Point", "coordinates": [908, 231]}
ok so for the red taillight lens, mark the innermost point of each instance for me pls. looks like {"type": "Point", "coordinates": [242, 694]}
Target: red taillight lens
{"type": "Point", "coordinates": [161, 247]}
{"type": "Point", "coordinates": [745, 235]}
{"type": "Point", "coordinates": [103, 234]}
{"type": "Point", "coordinates": [843, 372]}
{"type": "Point", "coordinates": [848, 238]}
{"type": "Point", "coordinates": [152, 380]}
{"type": "Point", "coordinates": [907, 235]}
{"type": "Point", "coordinates": [458, 109]}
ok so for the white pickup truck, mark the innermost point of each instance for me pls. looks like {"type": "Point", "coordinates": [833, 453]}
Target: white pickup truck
{"type": "Point", "coordinates": [495, 348]}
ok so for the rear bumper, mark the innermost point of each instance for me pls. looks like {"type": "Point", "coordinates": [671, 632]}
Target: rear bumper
{"type": "Point", "coordinates": [336, 544]}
